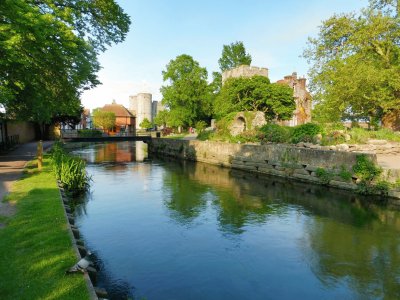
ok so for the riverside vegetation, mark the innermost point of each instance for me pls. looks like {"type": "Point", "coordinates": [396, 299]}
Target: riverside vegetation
{"type": "Point", "coordinates": [36, 248]}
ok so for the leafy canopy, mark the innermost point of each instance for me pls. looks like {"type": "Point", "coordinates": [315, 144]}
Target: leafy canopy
{"type": "Point", "coordinates": [103, 119]}
{"type": "Point", "coordinates": [187, 94]}
{"type": "Point", "coordinates": [49, 53]}
{"type": "Point", "coordinates": [255, 94]}
{"type": "Point", "coordinates": [356, 64]}
{"type": "Point", "coordinates": [233, 55]}
{"type": "Point", "coordinates": [146, 124]}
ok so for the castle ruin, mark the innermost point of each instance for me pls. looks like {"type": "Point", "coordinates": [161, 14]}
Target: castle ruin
{"type": "Point", "coordinates": [302, 113]}
{"type": "Point", "coordinates": [143, 107]}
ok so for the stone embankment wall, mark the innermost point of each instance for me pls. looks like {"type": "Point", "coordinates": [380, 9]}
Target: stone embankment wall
{"type": "Point", "coordinates": [373, 147]}
{"type": "Point", "coordinates": [272, 159]}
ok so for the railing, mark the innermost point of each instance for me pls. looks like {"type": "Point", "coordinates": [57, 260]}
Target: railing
{"type": "Point", "coordinates": [10, 142]}
{"type": "Point", "coordinates": [87, 133]}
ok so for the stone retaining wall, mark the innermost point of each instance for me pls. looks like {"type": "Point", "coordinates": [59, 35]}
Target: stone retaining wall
{"type": "Point", "coordinates": [273, 159]}
{"type": "Point", "coordinates": [373, 147]}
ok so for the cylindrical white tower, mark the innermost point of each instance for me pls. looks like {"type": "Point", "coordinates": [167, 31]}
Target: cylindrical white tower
{"type": "Point", "coordinates": [143, 108]}
{"type": "Point", "coordinates": [133, 104]}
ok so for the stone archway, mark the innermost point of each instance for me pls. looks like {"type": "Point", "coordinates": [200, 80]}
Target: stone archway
{"type": "Point", "coordinates": [238, 126]}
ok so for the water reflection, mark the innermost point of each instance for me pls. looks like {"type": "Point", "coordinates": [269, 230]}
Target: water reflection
{"type": "Point", "coordinates": [180, 227]}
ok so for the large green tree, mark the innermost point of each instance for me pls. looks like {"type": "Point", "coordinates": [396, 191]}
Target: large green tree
{"type": "Point", "coordinates": [186, 93]}
{"type": "Point", "coordinates": [233, 55]}
{"type": "Point", "coordinates": [49, 53]}
{"type": "Point", "coordinates": [103, 119]}
{"type": "Point", "coordinates": [255, 94]}
{"type": "Point", "coordinates": [355, 61]}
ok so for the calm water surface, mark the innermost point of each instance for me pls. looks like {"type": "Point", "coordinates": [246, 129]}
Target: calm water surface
{"type": "Point", "coordinates": [164, 229]}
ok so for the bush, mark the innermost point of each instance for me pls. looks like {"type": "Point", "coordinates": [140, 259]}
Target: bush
{"type": "Point", "coordinates": [166, 131]}
{"type": "Point", "coordinates": [274, 133]}
{"type": "Point", "coordinates": [245, 136]}
{"type": "Point", "coordinates": [70, 171]}
{"type": "Point", "coordinates": [89, 133]}
{"type": "Point", "coordinates": [324, 176]}
{"type": "Point", "coordinates": [200, 126]}
{"type": "Point", "coordinates": [305, 132]}
{"type": "Point", "coordinates": [205, 135]}
{"type": "Point", "coordinates": [365, 169]}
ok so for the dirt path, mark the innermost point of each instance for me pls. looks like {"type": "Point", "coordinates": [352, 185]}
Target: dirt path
{"type": "Point", "coordinates": [11, 167]}
{"type": "Point", "coordinates": [389, 161]}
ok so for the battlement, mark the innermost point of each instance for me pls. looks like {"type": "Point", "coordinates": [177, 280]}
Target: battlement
{"type": "Point", "coordinates": [244, 71]}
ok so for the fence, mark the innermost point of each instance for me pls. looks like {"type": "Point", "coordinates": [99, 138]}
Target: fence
{"type": "Point", "coordinates": [9, 142]}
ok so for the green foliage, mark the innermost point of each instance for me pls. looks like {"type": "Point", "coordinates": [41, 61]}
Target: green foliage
{"type": "Point", "coordinates": [365, 169]}
{"type": "Point", "coordinates": [103, 119]}
{"type": "Point", "coordinates": [255, 94]}
{"type": "Point", "coordinates": [274, 133]}
{"type": "Point", "coordinates": [146, 124]}
{"type": "Point", "coordinates": [344, 173]}
{"type": "Point", "coordinates": [36, 248]}
{"type": "Point", "coordinates": [187, 95]}
{"type": "Point", "coordinates": [70, 171]}
{"type": "Point", "coordinates": [324, 176]}
{"type": "Point", "coordinates": [205, 135]}
{"type": "Point", "coordinates": [89, 133]}
{"type": "Point", "coordinates": [162, 118]}
{"type": "Point", "coordinates": [361, 136]}
{"type": "Point", "coordinates": [305, 132]}
{"type": "Point", "coordinates": [356, 65]}
{"type": "Point", "coordinates": [49, 53]}
{"type": "Point", "coordinates": [234, 55]}
{"type": "Point", "coordinates": [200, 126]}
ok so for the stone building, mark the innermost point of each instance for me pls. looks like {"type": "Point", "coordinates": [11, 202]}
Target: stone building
{"type": "Point", "coordinates": [302, 113]}
{"type": "Point", "coordinates": [142, 106]}
{"type": "Point", "coordinates": [302, 97]}
{"type": "Point", "coordinates": [124, 119]}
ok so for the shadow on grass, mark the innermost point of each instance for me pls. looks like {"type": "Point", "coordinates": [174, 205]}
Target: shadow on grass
{"type": "Point", "coordinates": [36, 248]}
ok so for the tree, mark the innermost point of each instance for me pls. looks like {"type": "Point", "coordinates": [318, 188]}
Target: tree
{"type": "Point", "coordinates": [233, 55]}
{"type": "Point", "coordinates": [104, 119]}
{"type": "Point", "coordinates": [146, 124]}
{"type": "Point", "coordinates": [255, 94]}
{"type": "Point", "coordinates": [355, 61]}
{"type": "Point", "coordinates": [49, 53]}
{"type": "Point", "coordinates": [162, 118]}
{"type": "Point", "coordinates": [187, 94]}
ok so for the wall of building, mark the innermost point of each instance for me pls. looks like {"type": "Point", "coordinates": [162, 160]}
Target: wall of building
{"type": "Point", "coordinates": [244, 71]}
{"type": "Point", "coordinates": [272, 159]}
{"type": "Point", "coordinates": [25, 130]}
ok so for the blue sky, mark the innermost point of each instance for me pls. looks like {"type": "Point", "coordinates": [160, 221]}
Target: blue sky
{"type": "Point", "coordinates": [274, 33]}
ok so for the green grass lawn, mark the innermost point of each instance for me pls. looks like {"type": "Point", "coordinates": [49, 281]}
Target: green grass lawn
{"type": "Point", "coordinates": [35, 248]}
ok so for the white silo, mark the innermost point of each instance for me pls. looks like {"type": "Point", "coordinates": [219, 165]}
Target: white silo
{"type": "Point", "coordinates": [143, 108]}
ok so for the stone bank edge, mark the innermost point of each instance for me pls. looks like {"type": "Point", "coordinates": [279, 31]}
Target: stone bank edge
{"type": "Point", "coordinates": [272, 159]}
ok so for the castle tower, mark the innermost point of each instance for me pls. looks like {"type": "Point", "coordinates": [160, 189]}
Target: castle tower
{"type": "Point", "coordinates": [133, 104]}
{"type": "Point", "coordinates": [144, 108]}
{"type": "Point", "coordinates": [244, 71]}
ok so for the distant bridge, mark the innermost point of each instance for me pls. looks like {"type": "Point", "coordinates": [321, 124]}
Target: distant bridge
{"type": "Point", "coordinates": [74, 136]}
{"type": "Point", "coordinates": [143, 138]}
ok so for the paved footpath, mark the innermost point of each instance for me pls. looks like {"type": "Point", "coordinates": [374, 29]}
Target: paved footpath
{"type": "Point", "coordinates": [11, 166]}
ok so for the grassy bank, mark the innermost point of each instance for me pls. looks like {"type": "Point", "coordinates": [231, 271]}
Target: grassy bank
{"type": "Point", "coordinates": [35, 246]}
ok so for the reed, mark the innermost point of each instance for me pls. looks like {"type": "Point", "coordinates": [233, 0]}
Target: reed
{"type": "Point", "coordinates": [70, 171]}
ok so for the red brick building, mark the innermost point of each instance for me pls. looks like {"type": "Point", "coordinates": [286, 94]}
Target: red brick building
{"type": "Point", "coordinates": [124, 120]}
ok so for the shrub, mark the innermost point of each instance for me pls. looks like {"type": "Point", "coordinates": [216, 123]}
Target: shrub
{"type": "Point", "coordinates": [245, 136]}
{"type": "Point", "coordinates": [70, 171]}
{"type": "Point", "coordinates": [274, 133]}
{"type": "Point", "coordinates": [324, 176]}
{"type": "Point", "coordinates": [200, 126]}
{"type": "Point", "coordinates": [365, 169]}
{"type": "Point", "coordinates": [166, 131]}
{"type": "Point", "coordinates": [344, 173]}
{"type": "Point", "coordinates": [305, 132]}
{"type": "Point", "coordinates": [205, 135]}
{"type": "Point", "coordinates": [89, 133]}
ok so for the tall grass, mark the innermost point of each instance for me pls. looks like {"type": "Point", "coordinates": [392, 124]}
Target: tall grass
{"type": "Point", "coordinates": [70, 171]}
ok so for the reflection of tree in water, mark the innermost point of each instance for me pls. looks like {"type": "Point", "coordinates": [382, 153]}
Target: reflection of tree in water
{"type": "Point", "coordinates": [367, 257]}
{"type": "Point", "coordinates": [183, 197]}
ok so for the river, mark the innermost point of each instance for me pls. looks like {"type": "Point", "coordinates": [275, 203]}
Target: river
{"type": "Point", "coordinates": [167, 229]}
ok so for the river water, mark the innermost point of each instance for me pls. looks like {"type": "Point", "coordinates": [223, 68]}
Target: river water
{"type": "Point", "coordinates": [166, 229]}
